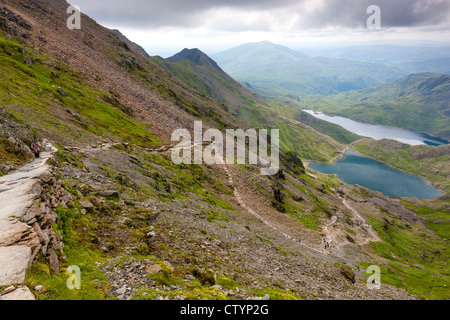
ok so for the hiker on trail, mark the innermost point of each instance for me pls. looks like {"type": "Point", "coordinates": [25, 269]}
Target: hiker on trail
{"type": "Point", "coordinates": [35, 145]}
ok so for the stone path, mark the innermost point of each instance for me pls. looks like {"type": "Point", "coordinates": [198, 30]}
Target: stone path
{"type": "Point", "coordinates": [17, 194]}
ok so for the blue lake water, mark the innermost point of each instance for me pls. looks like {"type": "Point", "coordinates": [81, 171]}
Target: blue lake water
{"type": "Point", "coordinates": [353, 169]}
{"type": "Point", "coordinates": [379, 132]}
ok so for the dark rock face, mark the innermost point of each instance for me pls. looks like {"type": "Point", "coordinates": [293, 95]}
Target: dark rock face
{"type": "Point", "coordinates": [196, 56]}
{"type": "Point", "coordinates": [13, 24]}
{"type": "Point", "coordinates": [15, 139]}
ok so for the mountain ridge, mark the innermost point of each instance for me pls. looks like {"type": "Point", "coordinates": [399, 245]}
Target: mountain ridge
{"type": "Point", "coordinates": [277, 74]}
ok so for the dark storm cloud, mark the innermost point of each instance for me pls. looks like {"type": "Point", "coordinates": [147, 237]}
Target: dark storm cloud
{"type": "Point", "coordinates": [308, 14]}
{"type": "Point", "coordinates": [167, 13]}
{"type": "Point", "coordinates": [394, 13]}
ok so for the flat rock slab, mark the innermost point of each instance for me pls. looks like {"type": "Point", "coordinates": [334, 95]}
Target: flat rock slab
{"type": "Point", "coordinates": [12, 231]}
{"type": "Point", "coordinates": [14, 264]}
{"type": "Point", "coordinates": [22, 293]}
{"type": "Point", "coordinates": [20, 188]}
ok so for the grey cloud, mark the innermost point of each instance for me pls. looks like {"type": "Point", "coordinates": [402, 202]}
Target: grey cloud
{"type": "Point", "coordinates": [167, 13]}
{"type": "Point", "coordinates": [196, 13]}
{"type": "Point", "coordinates": [398, 13]}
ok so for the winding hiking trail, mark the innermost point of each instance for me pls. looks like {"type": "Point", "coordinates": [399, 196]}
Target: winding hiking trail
{"type": "Point", "coordinates": [251, 211]}
{"type": "Point", "coordinates": [372, 233]}
{"type": "Point", "coordinates": [18, 190]}
{"type": "Point", "coordinates": [328, 236]}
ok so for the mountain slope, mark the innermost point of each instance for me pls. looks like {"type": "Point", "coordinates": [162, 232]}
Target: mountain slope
{"type": "Point", "coordinates": [141, 227]}
{"type": "Point", "coordinates": [254, 55]}
{"type": "Point", "coordinates": [196, 69]}
{"type": "Point", "coordinates": [418, 102]}
{"type": "Point", "coordinates": [279, 71]}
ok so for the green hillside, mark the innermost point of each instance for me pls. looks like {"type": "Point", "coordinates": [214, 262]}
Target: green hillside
{"type": "Point", "coordinates": [278, 71]}
{"type": "Point", "coordinates": [417, 102]}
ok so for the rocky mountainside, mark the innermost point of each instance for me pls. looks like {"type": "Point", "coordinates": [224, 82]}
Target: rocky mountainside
{"type": "Point", "coordinates": [140, 227]}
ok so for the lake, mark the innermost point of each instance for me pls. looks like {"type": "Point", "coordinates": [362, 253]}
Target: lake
{"type": "Point", "coordinates": [379, 132]}
{"type": "Point", "coordinates": [353, 169]}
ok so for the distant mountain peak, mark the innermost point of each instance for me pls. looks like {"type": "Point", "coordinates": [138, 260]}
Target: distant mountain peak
{"type": "Point", "coordinates": [257, 51]}
{"type": "Point", "coordinates": [196, 56]}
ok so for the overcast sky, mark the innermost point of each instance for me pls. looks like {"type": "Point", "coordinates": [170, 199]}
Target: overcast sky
{"type": "Point", "coordinates": [165, 27]}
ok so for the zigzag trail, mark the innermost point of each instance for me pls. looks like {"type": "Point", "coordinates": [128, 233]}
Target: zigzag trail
{"type": "Point", "coordinates": [333, 247]}
{"type": "Point", "coordinates": [251, 211]}
{"type": "Point", "coordinates": [372, 233]}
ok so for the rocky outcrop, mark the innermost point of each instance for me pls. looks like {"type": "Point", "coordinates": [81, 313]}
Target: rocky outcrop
{"type": "Point", "coordinates": [13, 24]}
{"type": "Point", "coordinates": [28, 201]}
{"type": "Point", "coordinates": [14, 142]}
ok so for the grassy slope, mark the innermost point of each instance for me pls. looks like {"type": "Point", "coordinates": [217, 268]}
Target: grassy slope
{"type": "Point", "coordinates": [32, 93]}
{"type": "Point", "coordinates": [210, 82]}
{"type": "Point", "coordinates": [417, 102]}
{"type": "Point", "coordinates": [427, 161]}
{"type": "Point", "coordinates": [416, 257]}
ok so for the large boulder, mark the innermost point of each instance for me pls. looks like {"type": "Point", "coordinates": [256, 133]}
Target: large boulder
{"type": "Point", "coordinates": [14, 264]}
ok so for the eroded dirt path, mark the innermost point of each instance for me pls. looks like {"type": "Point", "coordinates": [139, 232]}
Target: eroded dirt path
{"type": "Point", "coordinates": [373, 236]}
